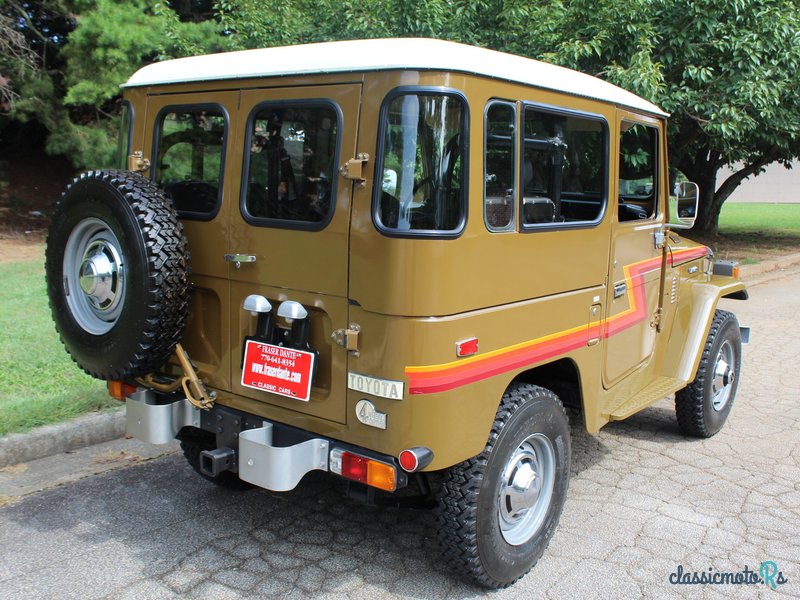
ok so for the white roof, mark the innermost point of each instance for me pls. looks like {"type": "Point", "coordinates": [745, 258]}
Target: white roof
{"type": "Point", "coordinates": [381, 54]}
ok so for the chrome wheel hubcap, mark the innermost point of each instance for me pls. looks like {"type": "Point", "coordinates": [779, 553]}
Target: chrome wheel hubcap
{"type": "Point", "coordinates": [94, 276]}
{"type": "Point", "coordinates": [526, 489]}
{"type": "Point", "coordinates": [724, 377]}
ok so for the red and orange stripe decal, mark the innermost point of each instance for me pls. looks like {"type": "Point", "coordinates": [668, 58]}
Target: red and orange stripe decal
{"type": "Point", "coordinates": [443, 377]}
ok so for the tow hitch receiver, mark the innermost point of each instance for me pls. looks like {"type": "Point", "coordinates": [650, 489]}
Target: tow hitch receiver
{"type": "Point", "coordinates": [214, 462]}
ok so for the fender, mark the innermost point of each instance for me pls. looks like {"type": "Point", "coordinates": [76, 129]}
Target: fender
{"type": "Point", "coordinates": [693, 322]}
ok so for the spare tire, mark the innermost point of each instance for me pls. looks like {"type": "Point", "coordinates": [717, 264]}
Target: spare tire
{"type": "Point", "coordinates": [117, 274]}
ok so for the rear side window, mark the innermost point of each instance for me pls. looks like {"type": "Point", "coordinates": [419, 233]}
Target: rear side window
{"type": "Point", "coordinates": [291, 165]}
{"type": "Point", "coordinates": [189, 158]}
{"type": "Point", "coordinates": [638, 158]}
{"type": "Point", "coordinates": [421, 167]}
{"type": "Point", "coordinates": [124, 136]}
{"type": "Point", "coordinates": [564, 165]}
{"type": "Point", "coordinates": [500, 156]}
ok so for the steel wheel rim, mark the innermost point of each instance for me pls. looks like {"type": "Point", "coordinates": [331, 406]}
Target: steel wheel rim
{"type": "Point", "coordinates": [724, 376]}
{"type": "Point", "coordinates": [526, 489]}
{"type": "Point", "coordinates": [94, 276]}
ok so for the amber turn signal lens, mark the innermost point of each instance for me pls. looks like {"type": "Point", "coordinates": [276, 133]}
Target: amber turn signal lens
{"type": "Point", "coordinates": [381, 476]}
{"type": "Point", "coordinates": [120, 389]}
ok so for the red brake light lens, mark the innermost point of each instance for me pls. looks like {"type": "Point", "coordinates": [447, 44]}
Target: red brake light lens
{"type": "Point", "coordinates": [354, 467]}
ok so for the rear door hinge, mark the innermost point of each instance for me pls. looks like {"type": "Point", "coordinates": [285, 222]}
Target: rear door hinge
{"type": "Point", "coordinates": [354, 169]}
{"type": "Point", "coordinates": [348, 338]}
{"type": "Point", "coordinates": [137, 162]}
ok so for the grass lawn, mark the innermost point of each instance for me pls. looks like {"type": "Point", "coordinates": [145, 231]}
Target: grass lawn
{"type": "Point", "coordinates": [39, 382]}
{"type": "Point", "coordinates": [781, 219]}
{"type": "Point", "coordinates": [753, 232]}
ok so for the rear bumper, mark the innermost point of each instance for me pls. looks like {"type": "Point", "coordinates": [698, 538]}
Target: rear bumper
{"type": "Point", "coordinates": [269, 455]}
{"type": "Point", "coordinates": [157, 423]}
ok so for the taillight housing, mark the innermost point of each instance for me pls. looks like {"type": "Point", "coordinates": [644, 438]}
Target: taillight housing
{"type": "Point", "coordinates": [120, 390]}
{"type": "Point", "coordinates": [364, 469]}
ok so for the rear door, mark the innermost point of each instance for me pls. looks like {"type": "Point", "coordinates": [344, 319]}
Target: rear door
{"type": "Point", "coordinates": [188, 145]}
{"type": "Point", "coordinates": [288, 236]}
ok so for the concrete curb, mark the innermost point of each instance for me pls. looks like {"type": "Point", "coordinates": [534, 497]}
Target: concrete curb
{"type": "Point", "coordinates": [63, 437]}
{"type": "Point", "coordinates": [103, 427]}
{"type": "Point", "coordinates": [768, 266]}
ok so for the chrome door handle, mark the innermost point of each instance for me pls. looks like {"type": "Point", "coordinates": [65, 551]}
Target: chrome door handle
{"type": "Point", "coordinates": [620, 289]}
{"type": "Point", "coordinates": [238, 259]}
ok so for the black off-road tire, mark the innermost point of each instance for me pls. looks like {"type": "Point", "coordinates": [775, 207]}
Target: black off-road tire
{"type": "Point", "coordinates": [695, 404]}
{"type": "Point", "coordinates": [470, 516]}
{"type": "Point", "coordinates": [125, 324]}
{"type": "Point", "coordinates": [193, 442]}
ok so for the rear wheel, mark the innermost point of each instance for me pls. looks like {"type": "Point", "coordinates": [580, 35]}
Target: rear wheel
{"type": "Point", "coordinates": [117, 274]}
{"type": "Point", "coordinates": [703, 406]}
{"type": "Point", "coordinates": [498, 511]}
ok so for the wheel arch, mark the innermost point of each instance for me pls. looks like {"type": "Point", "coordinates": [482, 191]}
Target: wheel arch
{"type": "Point", "coordinates": [693, 322]}
{"type": "Point", "coordinates": [562, 377]}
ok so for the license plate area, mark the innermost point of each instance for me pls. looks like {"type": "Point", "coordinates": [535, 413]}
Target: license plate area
{"type": "Point", "coordinates": [278, 370]}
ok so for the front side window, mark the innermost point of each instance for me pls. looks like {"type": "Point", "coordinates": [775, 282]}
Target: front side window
{"type": "Point", "coordinates": [638, 157]}
{"type": "Point", "coordinates": [292, 155]}
{"type": "Point", "coordinates": [563, 172]}
{"type": "Point", "coordinates": [422, 165]}
{"type": "Point", "coordinates": [189, 159]}
{"type": "Point", "coordinates": [499, 157]}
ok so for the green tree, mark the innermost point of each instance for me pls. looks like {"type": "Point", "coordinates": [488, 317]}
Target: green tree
{"type": "Point", "coordinates": [727, 70]}
{"type": "Point", "coordinates": [84, 49]}
{"type": "Point", "coordinates": [16, 58]}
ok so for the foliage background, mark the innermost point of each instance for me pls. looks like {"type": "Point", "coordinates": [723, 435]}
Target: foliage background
{"type": "Point", "coordinates": [727, 70]}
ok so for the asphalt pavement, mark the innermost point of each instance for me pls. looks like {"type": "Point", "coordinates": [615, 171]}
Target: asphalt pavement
{"type": "Point", "coordinates": [127, 520]}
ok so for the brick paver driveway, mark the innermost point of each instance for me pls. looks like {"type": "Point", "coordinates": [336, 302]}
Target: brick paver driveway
{"type": "Point", "coordinates": [642, 501]}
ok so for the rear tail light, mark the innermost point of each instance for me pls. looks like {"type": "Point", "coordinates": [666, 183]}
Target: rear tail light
{"type": "Point", "coordinates": [120, 389]}
{"type": "Point", "coordinates": [364, 469]}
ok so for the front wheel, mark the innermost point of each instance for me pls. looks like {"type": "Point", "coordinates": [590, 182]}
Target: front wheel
{"type": "Point", "coordinates": [703, 406]}
{"type": "Point", "coordinates": [498, 511]}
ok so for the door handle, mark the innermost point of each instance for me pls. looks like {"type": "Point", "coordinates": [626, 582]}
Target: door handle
{"type": "Point", "coordinates": [238, 259]}
{"type": "Point", "coordinates": [620, 289]}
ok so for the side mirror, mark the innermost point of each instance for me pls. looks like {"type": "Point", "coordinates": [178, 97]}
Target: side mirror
{"type": "Point", "coordinates": [683, 205]}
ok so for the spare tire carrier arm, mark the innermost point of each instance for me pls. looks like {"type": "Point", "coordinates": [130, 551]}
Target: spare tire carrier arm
{"type": "Point", "coordinates": [196, 391]}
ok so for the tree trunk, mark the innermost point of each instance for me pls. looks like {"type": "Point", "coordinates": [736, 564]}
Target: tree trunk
{"type": "Point", "coordinates": [703, 171]}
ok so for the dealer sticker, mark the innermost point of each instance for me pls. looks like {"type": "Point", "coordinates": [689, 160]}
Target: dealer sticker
{"type": "Point", "coordinates": [278, 370]}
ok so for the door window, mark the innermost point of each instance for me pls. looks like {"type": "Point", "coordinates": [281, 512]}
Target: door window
{"type": "Point", "coordinates": [189, 158]}
{"type": "Point", "coordinates": [638, 157]}
{"type": "Point", "coordinates": [291, 165]}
